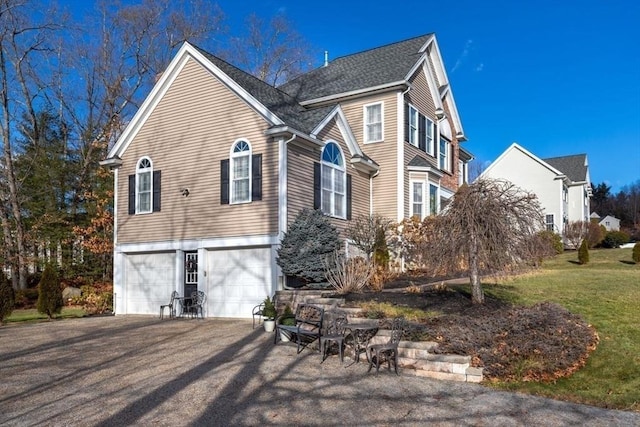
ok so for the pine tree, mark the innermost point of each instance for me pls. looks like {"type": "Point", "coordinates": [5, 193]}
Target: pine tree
{"type": "Point", "coordinates": [583, 253]}
{"type": "Point", "coordinates": [49, 293]}
{"type": "Point", "coordinates": [7, 298]}
{"type": "Point", "coordinates": [305, 247]}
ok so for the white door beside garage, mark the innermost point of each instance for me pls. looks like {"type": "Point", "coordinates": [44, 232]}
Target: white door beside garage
{"type": "Point", "coordinates": [238, 279]}
{"type": "Point", "coordinates": [149, 281]}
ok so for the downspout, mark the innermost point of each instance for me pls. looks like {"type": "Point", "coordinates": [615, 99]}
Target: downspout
{"type": "Point", "coordinates": [400, 162]}
{"type": "Point", "coordinates": [283, 200]}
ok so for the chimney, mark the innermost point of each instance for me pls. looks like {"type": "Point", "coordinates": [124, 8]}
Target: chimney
{"type": "Point", "coordinates": [326, 58]}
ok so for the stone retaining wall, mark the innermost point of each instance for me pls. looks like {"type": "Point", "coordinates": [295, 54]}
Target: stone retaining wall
{"type": "Point", "coordinates": [415, 358]}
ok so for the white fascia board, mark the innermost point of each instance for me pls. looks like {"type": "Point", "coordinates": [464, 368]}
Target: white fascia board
{"type": "Point", "coordinates": [287, 131]}
{"type": "Point", "coordinates": [344, 128]}
{"type": "Point", "coordinates": [439, 69]}
{"type": "Point", "coordinates": [353, 93]}
{"type": "Point", "coordinates": [425, 169]}
{"type": "Point", "coordinates": [446, 193]}
{"type": "Point", "coordinates": [400, 157]}
{"type": "Point", "coordinates": [162, 86]}
{"type": "Point", "coordinates": [195, 244]}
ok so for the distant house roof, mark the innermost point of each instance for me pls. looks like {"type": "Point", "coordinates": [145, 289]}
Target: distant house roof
{"type": "Point", "coordinates": [375, 67]}
{"type": "Point", "coordinates": [575, 167]}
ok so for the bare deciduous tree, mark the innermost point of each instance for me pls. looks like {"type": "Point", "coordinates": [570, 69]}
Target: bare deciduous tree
{"type": "Point", "coordinates": [490, 227]}
{"type": "Point", "coordinates": [272, 51]}
{"type": "Point", "coordinates": [575, 232]}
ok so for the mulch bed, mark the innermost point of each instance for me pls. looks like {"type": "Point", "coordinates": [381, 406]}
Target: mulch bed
{"type": "Point", "coordinates": [536, 343]}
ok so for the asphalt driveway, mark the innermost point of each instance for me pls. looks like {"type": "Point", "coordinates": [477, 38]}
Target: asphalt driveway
{"type": "Point", "coordinates": [114, 371]}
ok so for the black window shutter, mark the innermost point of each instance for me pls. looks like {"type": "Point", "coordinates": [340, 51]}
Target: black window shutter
{"type": "Point", "coordinates": [422, 132]}
{"type": "Point", "coordinates": [157, 190]}
{"type": "Point", "coordinates": [224, 182]}
{"type": "Point", "coordinates": [256, 177]}
{"type": "Point", "coordinates": [317, 191]}
{"type": "Point", "coordinates": [349, 197]}
{"type": "Point", "coordinates": [132, 194]}
{"type": "Point", "coordinates": [406, 122]}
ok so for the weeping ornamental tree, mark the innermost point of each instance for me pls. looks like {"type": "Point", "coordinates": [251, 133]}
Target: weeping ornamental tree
{"type": "Point", "coordinates": [309, 242]}
{"type": "Point", "coordinates": [490, 227]}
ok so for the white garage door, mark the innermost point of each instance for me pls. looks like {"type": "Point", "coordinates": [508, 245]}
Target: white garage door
{"type": "Point", "coordinates": [149, 281]}
{"type": "Point", "coordinates": [238, 279]}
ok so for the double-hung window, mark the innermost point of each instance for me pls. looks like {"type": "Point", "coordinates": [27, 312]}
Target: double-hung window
{"type": "Point", "coordinates": [373, 123]}
{"type": "Point", "coordinates": [413, 126]}
{"type": "Point", "coordinates": [430, 143]}
{"type": "Point", "coordinates": [144, 185]}
{"type": "Point", "coordinates": [433, 199]}
{"type": "Point", "coordinates": [241, 172]}
{"type": "Point", "coordinates": [417, 199]}
{"type": "Point", "coordinates": [549, 222]}
{"type": "Point", "coordinates": [445, 154]}
{"type": "Point", "coordinates": [333, 181]}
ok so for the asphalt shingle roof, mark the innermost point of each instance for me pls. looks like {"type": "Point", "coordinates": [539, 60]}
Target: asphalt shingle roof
{"type": "Point", "coordinates": [374, 67]}
{"type": "Point", "coordinates": [573, 166]}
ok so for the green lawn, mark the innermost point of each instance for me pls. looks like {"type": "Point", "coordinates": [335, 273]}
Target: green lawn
{"type": "Point", "coordinates": [606, 293]}
{"type": "Point", "coordinates": [32, 315]}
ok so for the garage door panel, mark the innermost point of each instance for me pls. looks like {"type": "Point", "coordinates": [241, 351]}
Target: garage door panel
{"type": "Point", "coordinates": [238, 279]}
{"type": "Point", "coordinates": [149, 281]}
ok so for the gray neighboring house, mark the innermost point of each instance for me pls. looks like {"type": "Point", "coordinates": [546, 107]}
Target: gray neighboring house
{"type": "Point", "coordinates": [562, 184]}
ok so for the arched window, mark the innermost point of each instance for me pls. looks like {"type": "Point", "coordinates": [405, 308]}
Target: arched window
{"type": "Point", "coordinates": [144, 185]}
{"type": "Point", "coordinates": [240, 172]}
{"type": "Point", "coordinates": [333, 181]}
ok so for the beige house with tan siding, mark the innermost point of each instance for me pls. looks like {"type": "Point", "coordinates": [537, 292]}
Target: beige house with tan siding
{"type": "Point", "coordinates": [216, 164]}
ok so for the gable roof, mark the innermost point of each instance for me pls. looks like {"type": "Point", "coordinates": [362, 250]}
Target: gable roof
{"type": "Point", "coordinates": [376, 67]}
{"type": "Point", "coordinates": [574, 166]}
{"type": "Point", "coordinates": [516, 147]}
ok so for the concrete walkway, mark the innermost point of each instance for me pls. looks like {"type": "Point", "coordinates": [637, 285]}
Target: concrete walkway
{"type": "Point", "coordinates": [115, 371]}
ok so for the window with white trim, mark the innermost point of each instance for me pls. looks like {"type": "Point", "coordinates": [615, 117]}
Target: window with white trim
{"type": "Point", "coordinates": [333, 181]}
{"type": "Point", "coordinates": [550, 222]}
{"type": "Point", "coordinates": [373, 129]}
{"type": "Point", "coordinates": [240, 172]}
{"type": "Point", "coordinates": [413, 126]}
{"type": "Point", "coordinates": [445, 154]}
{"type": "Point", "coordinates": [144, 185]}
{"type": "Point", "coordinates": [417, 199]}
{"type": "Point", "coordinates": [430, 143]}
{"type": "Point", "coordinates": [434, 208]}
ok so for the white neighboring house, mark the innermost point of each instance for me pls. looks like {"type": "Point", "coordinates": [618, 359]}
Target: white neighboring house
{"type": "Point", "coordinates": [562, 184]}
{"type": "Point", "coordinates": [610, 223]}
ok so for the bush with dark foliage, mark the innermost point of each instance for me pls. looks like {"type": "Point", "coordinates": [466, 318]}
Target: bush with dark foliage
{"type": "Point", "coordinates": [306, 246]}
{"type": "Point", "coordinates": [583, 253]}
{"type": "Point", "coordinates": [635, 254]}
{"type": "Point", "coordinates": [613, 239]}
{"type": "Point", "coordinates": [7, 298]}
{"type": "Point", "coordinates": [49, 292]}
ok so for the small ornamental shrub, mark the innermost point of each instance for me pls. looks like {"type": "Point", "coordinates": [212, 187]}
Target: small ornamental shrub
{"type": "Point", "coordinates": [95, 299]}
{"type": "Point", "coordinates": [288, 318]}
{"type": "Point", "coordinates": [7, 298]}
{"type": "Point", "coordinates": [595, 234]}
{"type": "Point", "coordinates": [613, 239]}
{"type": "Point", "coordinates": [49, 292]}
{"type": "Point", "coordinates": [583, 253]}
{"type": "Point", "coordinates": [305, 247]}
{"type": "Point", "coordinates": [635, 255]}
{"type": "Point", "coordinates": [269, 311]}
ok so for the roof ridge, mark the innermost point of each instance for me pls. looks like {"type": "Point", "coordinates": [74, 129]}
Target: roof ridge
{"type": "Point", "coordinates": [564, 157]}
{"type": "Point", "coordinates": [381, 47]}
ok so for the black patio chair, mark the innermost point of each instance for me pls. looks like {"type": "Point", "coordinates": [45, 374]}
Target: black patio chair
{"type": "Point", "coordinates": [196, 307]}
{"type": "Point", "coordinates": [170, 306]}
{"type": "Point", "coordinates": [334, 333]}
{"type": "Point", "coordinates": [389, 350]}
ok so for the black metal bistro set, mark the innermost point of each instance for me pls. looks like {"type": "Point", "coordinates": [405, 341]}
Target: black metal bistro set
{"type": "Point", "coordinates": [183, 306]}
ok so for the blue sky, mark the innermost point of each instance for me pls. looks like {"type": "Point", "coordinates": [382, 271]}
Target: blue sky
{"type": "Point", "coordinates": [558, 77]}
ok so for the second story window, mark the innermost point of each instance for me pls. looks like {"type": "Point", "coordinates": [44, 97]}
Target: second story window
{"type": "Point", "coordinates": [144, 185]}
{"type": "Point", "coordinates": [413, 126]}
{"type": "Point", "coordinates": [373, 123]}
{"type": "Point", "coordinates": [241, 172]}
{"type": "Point", "coordinates": [445, 154]}
{"type": "Point", "coordinates": [430, 145]}
{"type": "Point", "coordinates": [333, 181]}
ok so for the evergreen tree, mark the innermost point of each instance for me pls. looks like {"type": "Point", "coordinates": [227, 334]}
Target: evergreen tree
{"type": "Point", "coordinates": [583, 253]}
{"type": "Point", "coordinates": [7, 297]}
{"type": "Point", "coordinates": [305, 247]}
{"type": "Point", "coordinates": [635, 255]}
{"type": "Point", "coordinates": [49, 293]}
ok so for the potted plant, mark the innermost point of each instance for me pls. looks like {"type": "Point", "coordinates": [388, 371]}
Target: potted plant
{"type": "Point", "coordinates": [269, 313]}
{"type": "Point", "coordinates": [288, 319]}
